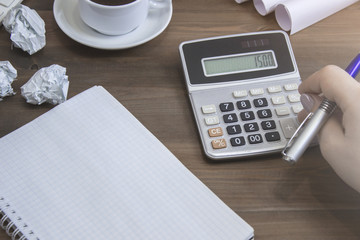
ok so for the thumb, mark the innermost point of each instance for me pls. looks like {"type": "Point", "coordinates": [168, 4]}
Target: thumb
{"type": "Point", "coordinates": [310, 103]}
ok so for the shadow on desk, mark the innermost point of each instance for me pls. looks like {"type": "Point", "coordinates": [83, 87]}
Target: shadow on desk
{"type": "Point", "coordinates": [320, 194]}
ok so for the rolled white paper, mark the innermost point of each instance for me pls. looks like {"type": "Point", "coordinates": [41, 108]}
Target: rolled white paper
{"type": "Point", "coordinates": [296, 15]}
{"type": "Point", "coordinates": [265, 7]}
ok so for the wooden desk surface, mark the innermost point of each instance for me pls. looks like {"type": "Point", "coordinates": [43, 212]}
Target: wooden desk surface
{"type": "Point", "coordinates": [306, 201]}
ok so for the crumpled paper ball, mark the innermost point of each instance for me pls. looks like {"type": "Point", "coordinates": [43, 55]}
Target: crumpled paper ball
{"type": "Point", "coordinates": [49, 84]}
{"type": "Point", "coordinates": [7, 75]}
{"type": "Point", "coordinates": [26, 27]}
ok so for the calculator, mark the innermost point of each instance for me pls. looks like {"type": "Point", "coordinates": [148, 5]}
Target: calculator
{"type": "Point", "coordinates": [244, 92]}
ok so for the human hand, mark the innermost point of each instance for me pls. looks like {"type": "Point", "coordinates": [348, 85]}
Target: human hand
{"type": "Point", "coordinates": [339, 138]}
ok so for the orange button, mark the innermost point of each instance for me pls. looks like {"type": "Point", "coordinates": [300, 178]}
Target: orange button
{"type": "Point", "coordinates": [218, 143]}
{"type": "Point", "coordinates": [215, 132]}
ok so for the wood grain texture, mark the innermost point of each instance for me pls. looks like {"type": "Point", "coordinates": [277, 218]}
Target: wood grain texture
{"type": "Point", "coordinates": [306, 201]}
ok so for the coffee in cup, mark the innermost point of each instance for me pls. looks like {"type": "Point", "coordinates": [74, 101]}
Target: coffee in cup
{"type": "Point", "coordinates": [116, 17]}
{"type": "Point", "coordinates": [112, 2]}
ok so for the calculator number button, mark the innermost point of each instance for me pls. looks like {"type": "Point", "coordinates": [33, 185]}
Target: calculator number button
{"type": "Point", "coordinates": [260, 102]}
{"type": "Point", "coordinates": [226, 107]}
{"type": "Point", "coordinates": [255, 139]}
{"type": "Point", "coordinates": [245, 104]}
{"type": "Point", "coordinates": [251, 127]}
{"type": "Point", "coordinates": [265, 113]}
{"type": "Point", "coordinates": [215, 132]}
{"type": "Point", "coordinates": [230, 118]}
{"type": "Point", "coordinates": [237, 141]}
{"type": "Point", "coordinates": [272, 136]}
{"type": "Point", "coordinates": [234, 129]}
{"type": "Point", "coordinates": [218, 143]}
{"type": "Point", "coordinates": [267, 125]}
{"type": "Point", "coordinates": [246, 116]}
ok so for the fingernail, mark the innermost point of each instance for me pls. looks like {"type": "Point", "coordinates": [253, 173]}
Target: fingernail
{"type": "Point", "coordinates": [307, 101]}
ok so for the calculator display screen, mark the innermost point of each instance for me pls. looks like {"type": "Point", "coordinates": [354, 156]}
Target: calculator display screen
{"type": "Point", "coordinates": [237, 63]}
{"type": "Point", "coordinates": [238, 57]}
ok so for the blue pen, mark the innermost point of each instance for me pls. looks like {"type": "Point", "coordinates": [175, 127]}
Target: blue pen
{"type": "Point", "coordinates": [313, 122]}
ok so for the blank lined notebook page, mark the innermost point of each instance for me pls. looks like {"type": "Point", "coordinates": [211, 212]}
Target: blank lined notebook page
{"type": "Point", "coordinates": [87, 169]}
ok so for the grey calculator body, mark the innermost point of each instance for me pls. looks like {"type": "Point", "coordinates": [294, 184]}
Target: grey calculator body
{"type": "Point", "coordinates": [243, 91]}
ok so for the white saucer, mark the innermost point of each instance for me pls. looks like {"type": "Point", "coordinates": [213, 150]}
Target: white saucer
{"type": "Point", "coordinates": [67, 17]}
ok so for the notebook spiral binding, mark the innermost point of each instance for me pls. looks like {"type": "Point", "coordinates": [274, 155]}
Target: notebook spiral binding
{"type": "Point", "coordinates": [8, 225]}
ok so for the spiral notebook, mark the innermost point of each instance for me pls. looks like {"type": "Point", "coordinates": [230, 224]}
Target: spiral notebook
{"type": "Point", "coordinates": [88, 169]}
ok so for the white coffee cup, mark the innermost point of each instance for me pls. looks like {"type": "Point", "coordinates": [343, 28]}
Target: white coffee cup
{"type": "Point", "coordinates": [116, 19]}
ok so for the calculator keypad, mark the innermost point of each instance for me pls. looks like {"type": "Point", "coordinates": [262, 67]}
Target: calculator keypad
{"type": "Point", "coordinates": [253, 117]}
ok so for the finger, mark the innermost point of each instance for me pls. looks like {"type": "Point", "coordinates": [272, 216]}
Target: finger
{"type": "Point", "coordinates": [302, 115]}
{"type": "Point", "coordinates": [335, 84]}
{"type": "Point", "coordinates": [310, 102]}
{"type": "Point", "coordinates": [351, 124]}
{"type": "Point", "coordinates": [331, 136]}
{"type": "Point", "coordinates": [340, 151]}
{"type": "Point", "coordinates": [333, 128]}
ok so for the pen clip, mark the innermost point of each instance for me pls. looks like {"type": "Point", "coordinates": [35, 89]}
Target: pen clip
{"type": "Point", "coordinates": [296, 132]}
